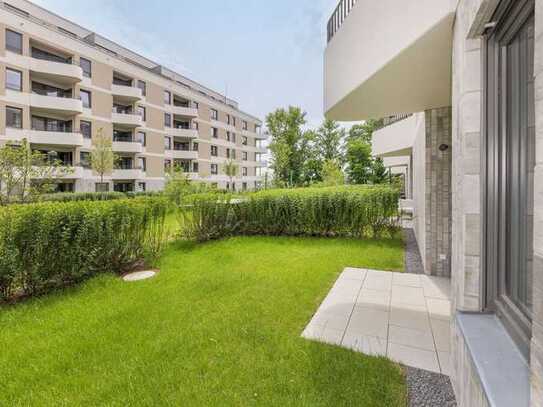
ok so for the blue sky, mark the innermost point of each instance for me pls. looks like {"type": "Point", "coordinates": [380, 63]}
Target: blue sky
{"type": "Point", "coordinates": [267, 53]}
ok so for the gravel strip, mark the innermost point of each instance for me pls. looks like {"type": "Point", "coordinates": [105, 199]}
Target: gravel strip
{"type": "Point", "coordinates": [428, 389]}
{"type": "Point", "coordinates": [413, 261]}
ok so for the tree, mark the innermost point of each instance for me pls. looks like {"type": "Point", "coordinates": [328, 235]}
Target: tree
{"type": "Point", "coordinates": [26, 173]}
{"type": "Point", "coordinates": [231, 170]}
{"type": "Point", "coordinates": [287, 145]}
{"type": "Point", "coordinates": [380, 173]}
{"type": "Point", "coordinates": [359, 161]}
{"type": "Point", "coordinates": [312, 165]}
{"type": "Point", "coordinates": [329, 141]}
{"type": "Point", "coordinates": [102, 157]}
{"type": "Point", "coordinates": [177, 185]}
{"type": "Point", "coordinates": [332, 175]}
{"type": "Point", "coordinates": [364, 131]}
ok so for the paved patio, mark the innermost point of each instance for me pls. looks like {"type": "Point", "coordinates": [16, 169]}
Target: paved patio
{"type": "Point", "coordinates": [405, 317]}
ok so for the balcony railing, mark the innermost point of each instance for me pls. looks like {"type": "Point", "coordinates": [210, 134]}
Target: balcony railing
{"type": "Point", "coordinates": [387, 121]}
{"type": "Point", "coordinates": [338, 17]}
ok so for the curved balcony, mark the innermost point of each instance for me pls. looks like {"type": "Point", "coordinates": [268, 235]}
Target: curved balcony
{"type": "Point", "coordinates": [184, 111]}
{"type": "Point", "coordinates": [126, 93]}
{"type": "Point", "coordinates": [131, 120]}
{"type": "Point", "coordinates": [54, 104]}
{"type": "Point", "coordinates": [61, 72]}
{"type": "Point", "coordinates": [127, 147]}
{"type": "Point", "coordinates": [187, 133]}
{"type": "Point", "coordinates": [55, 138]}
{"type": "Point", "coordinates": [127, 174]}
{"type": "Point", "coordinates": [398, 138]}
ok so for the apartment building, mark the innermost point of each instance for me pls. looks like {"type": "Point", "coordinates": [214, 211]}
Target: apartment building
{"type": "Point", "coordinates": [63, 85]}
{"type": "Point", "coordinates": [460, 83]}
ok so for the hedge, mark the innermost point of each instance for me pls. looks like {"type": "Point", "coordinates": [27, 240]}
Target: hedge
{"type": "Point", "coordinates": [44, 246]}
{"type": "Point", "coordinates": [353, 211]}
{"type": "Point", "coordinates": [92, 196]}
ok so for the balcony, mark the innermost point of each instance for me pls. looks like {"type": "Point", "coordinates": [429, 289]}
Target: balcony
{"type": "Point", "coordinates": [54, 138]}
{"type": "Point", "coordinates": [128, 94]}
{"type": "Point", "coordinates": [182, 154]}
{"type": "Point", "coordinates": [180, 132]}
{"type": "Point", "coordinates": [397, 139]}
{"type": "Point", "coordinates": [130, 120]}
{"type": "Point", "coordinates": [261, 135]}
{"type": "Point", "coordinates": [127, 174]}
{"type": "Point", "coordinates": [184, 111]}
{"type": "Point", "coordinates": [65, 73]}
{"type": "Point", "coordinates": [67, 172]}
{"type": "Point", "coordinates": [127, 146]}
{"type": "Point", "coordinates": [54, 104]}
{"type": "Point", "coordinates": [383, 59]}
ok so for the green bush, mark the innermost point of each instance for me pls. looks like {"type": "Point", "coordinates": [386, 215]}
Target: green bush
{"type": "Point", "coordinates": [356, 211]}
{"type": "Point", "coordinates": [44, 246]}
{"type": "Point", "coordinates": [80, 196]}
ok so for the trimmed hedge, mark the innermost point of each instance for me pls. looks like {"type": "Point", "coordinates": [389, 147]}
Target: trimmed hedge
{"type": "Point", "coordinates": [353, 211]}
{"type": "Point", "coordinates": [44, 246]}
{"type": "Point", "coordinates": [93, 196]}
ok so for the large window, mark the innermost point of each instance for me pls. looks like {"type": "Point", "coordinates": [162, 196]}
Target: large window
{"type": "Point", "coordinates": [214, 151]}
{"type": "Point", "coordinates": [86, 98]}
{"type": "Point", "coordinates": [167, 120]}
{"type": "Point", "coordinates": [48, 124]}
{"type": "Point", "coordinates": [509, 145]}
{"type": "Point", "coordinates": [86, 129]}
{"type": "Point", "coordinates": [214, 114]}
{"type": "Point", "coordinates": [14, 79]}
{"type": "Point", "coordinates": [14, 42]}
{"type": "Point", "coordinates": [86, 65]}
{"type": "Point", "coordinates": [167, 97]}
{"type": "Point", "coordinates": [141, 112]}
{"type": "Point", "coordinates": [14, 117]}
{"type": "Point", "coordinates": [143, 87]}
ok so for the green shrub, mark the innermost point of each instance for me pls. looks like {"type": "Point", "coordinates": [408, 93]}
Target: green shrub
{"type": "Point", "coordinates": [49, 245]}
{"type": "Point", "coordinates": [80, 196]}
{"type": "Point", "coordinates": [357, 211]}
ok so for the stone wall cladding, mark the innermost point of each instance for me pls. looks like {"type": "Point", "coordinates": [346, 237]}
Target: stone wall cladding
{"type": "Point", "coordinates": [438, 192]}
{"type": "Point", "coordinates": [537, 327]}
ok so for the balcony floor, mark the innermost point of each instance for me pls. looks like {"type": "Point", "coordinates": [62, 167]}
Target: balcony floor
{"type": "Point", "coordinates": [405, 317]}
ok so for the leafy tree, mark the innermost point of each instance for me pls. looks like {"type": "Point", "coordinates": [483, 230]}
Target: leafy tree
{"type": "Point", "coordinates": [329, 140]}
{"type": "Point", "coordinates": [380, 174]}
{"type": "Point", "coordinates": [364, 131]}
{"type": "Point", "coordinates": [287, 144]}
{"type": "Point", "coordinates": [26, 173]}
{"type": "Point", "coordinates": [359, 161]}
{"type": "Point", "coordinates": [177, 185]}
{"type": "Point", "coordinates": [231, 170]}
{"type": "Point", "coordinates": [332, 175]}
{"type": "Point", "coordinates": [312, 165]}
{"type": "Point", "coordinates": [102, 157]}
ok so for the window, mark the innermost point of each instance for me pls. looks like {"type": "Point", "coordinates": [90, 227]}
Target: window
{"type": "Point", "coordinates": [214, 151]}
{"type": "Point", "coordinates": [228, 119]}
{"type": "Point", "coordinates": [167, 165]}
{"type": "Point", "coordinates": [233, 154]}
{"type": "Point", "coordinates": [227, 153]}
{"type": "Point", "coordinates": [214, 132]}
{"type": "Point", "coordinates": [101, 187]}
{"type": "Point", "coordinates": [214, 169]}
{"type": "Point", "coordinates": [233, 121]}
{"type": "Point", "coordinates": [244, 186]}
{"type": "Point", "coordinates": [141, 112]}
{"type": "Point", "coordinates": [167, 143]}
{"type": "Point", "coordinates": [143, 87]}
{"type": "Point", "coordinates": [244, 171]}
{"type": "Point", "coordinates": [48, 124]}
{"type": "Point", "coordinates": [14, 79]}
{"type": "Point", "coordinates": [214, 114]}
{"type": "Point", "coordinates": [167, 97]}
{"type": "Point", "coordinates": [85, 128]}
{"type": "Point", "coordinates": [196, 105]}
{"type": "Point", "coordinates": [123, 187]}
{"type": "Point", "coordinates": [195, 125]}
{"type": "Point", "coordinates": [195, 166]}
{"type": "Point", "coordinates": [85, 159]}
{"type": "Point", "coordinates": [228, 135]}
{"type": "Point", "coordinates": [142, 163]}
{"type": "Point", "coordinates": [508, 170]}
{"type": "Point", "coordinates": [14, 42]}
{"type": "Point", "coordinates": [244, 156]}
{"type": "Point", "coordinates": [14, 117]}
{"type": "Point", "coordinates": [86, 98]}
{"type": "Point", "coordinates": [244, 140]}
{"type": "Point", "coordinates": [141, 186]}
{"type": "Point", "coordinates": [48, 90]}
{"type": "Point", "coordinates": [233, 137]}
{"type": "Point", "coordinates": [141, 138]}
{"type": "Point", "coordinates": [167, 120]}
{"type": "Point", "coordinates": [244, 125]}
{"type": "Point", "coordinates": [194, 146]}
{"type": "Point", "coordinates": [86, 65]}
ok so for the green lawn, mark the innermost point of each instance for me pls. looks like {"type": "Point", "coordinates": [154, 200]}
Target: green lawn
{"type": "Point", "coordinates": [219, 326]}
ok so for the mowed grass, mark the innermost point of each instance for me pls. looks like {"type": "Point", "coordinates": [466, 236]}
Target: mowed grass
{"type": "Point", "coordinates": [220, 325]}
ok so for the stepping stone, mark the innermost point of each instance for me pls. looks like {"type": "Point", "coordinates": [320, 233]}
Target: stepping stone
{"type": "Point", "coordinates": [139, 275]}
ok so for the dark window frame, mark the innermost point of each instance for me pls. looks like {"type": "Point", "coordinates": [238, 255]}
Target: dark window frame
{"type": "Point", "coordinates": [20, 73]}
{"type": "Point", "coordinates": [17, 50]}
{"type": "Point", "coordinates": [20, 113]}
{"type": "Point", "coordinates": [83, 123]}
{"type": "Point", "coordinates": [87, 92]}
{"type": "Point", "coordinates": [82, 62]}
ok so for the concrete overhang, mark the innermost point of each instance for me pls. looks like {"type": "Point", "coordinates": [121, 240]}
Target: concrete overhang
{"type": "Point", "coordinates": [389, 56]}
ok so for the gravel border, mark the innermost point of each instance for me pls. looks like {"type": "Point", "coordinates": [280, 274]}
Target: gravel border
{"type": "Point", "coordinates": [428, 389]}
{"type": "Point", "coordinates": [412, 259]}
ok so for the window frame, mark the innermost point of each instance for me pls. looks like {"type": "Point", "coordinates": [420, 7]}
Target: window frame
{"type": "Point", "coordinates": [511, 16]}
{"type": "Point", "coordinates": [20, 112]}
{"type": "Point", "coordinates": [86, 74]}
{"type": "Point", "coordinates": [88, 92]}
{"type": "Point", "coordinates": [85, 122]}
{"type": "Point", "coordinates": [20, 89]}
{"type": "Point", "coordinates": [168, 99]}
{"type": "Point", "coordinates": [214, 114]}
{"type": "Point", "coordinates": [143, 86]}
{"type": "Point", "coordinates": [20, 36]}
